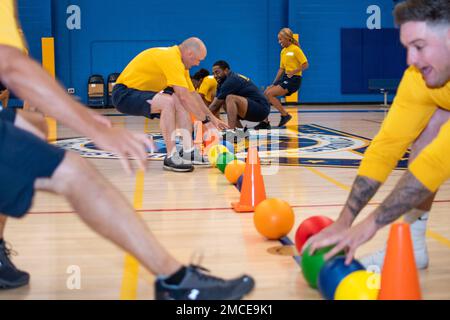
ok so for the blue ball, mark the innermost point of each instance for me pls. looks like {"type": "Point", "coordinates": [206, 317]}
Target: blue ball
{"type": "Point", "coordinates": [228, 145]}
{"type": "Point", "coordinates": [333, 272]}
{"type": "Point", "coordinates": [239, 182]}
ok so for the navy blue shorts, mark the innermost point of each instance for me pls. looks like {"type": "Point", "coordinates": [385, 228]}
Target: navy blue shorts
{"type": "Point", "coordinates": [23, 159]}
{"type": "Point", "coordinates": [257, 110]}
{"type": "Point", "coordinates": [132, 101]}
{"type": "Point", "coordinates": [290, 84]}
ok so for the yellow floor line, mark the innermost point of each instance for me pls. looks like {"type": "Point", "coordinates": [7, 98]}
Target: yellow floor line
{"type": "Point", "coordinates": [329, 179]}
{"type": "Point", "coordinates": [431, 234]}
{"type": "Point", "coordinates": [438, 237]}
{"type": "Point", "coordinates": [131, 266]}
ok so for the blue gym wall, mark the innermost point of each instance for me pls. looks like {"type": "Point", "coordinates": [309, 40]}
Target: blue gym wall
{"type": "Point", "coordinates": [319, 24]}
{"type": "Point", "coordinates": [242, 32]}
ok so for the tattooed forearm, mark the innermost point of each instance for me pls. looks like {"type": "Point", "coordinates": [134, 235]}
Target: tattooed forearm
{"type": "Point", "coordinates": [363, 190]}
{"type": "Point", "coordinates": [408, 193]}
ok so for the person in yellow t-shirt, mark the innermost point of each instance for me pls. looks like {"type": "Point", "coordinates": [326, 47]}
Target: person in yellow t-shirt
{"type": "Point", "coordinates": [289, 77]}
{"type": "Point", "coordinates": [28, 163]}
{"type": "Point", "coordinates": [157, 83]}
{"type": "Point", "coordinates": [205, 84]}
{"type": "Point", "coordinates": [419, 116]}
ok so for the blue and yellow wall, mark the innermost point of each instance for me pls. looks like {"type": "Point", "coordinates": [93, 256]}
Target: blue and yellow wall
{"type": "Point", "coordinates": [244, 33]}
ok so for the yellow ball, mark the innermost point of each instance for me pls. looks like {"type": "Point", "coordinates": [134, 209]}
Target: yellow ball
{"type": "Point", "coordinates": [359, 285]}
{"type": "Point", "coordinates": [214, 152]}
{"type": "Point", "coordinates": [234, 170]}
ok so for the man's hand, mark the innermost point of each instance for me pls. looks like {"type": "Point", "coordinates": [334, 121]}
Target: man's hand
{"type": "Point", "coordinates": [350, 239]}
{"type": "Point", "coordinates": [320, 239]}
{"type": "Point", "coordinates": [125, 144]}
{"type": "Point", "coordinates": [219, 124]}
{"type": "Point", "coordinates": [100, 118]}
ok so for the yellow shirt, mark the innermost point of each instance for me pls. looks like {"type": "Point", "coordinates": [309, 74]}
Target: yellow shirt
{"type": "Point", "coordinates": [9, 27]}
{"type": "Point", "coordinates": [156, 69]}
{"type": "Point", "coordinates": [410, 113]}
{"type": "Point", "coordinates": [208, 88]}
{"type": "Point", "coordinates": [292, 58]}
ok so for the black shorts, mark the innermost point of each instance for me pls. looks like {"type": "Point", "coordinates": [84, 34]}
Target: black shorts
{"type": "Point", "coordinates": [257, 110]}
{"type": "Point", "coordinates": [291, 84]}
{"type": "Point", "coordinates": [23, 159]}
{"type": "Point", "coordinates": [134, 102]}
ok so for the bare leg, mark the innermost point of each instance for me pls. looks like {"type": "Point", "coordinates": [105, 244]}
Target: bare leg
{"type": "Point", "coordinates": [184, 123]}
{"type": "Point", "coordinates": [235, 106]}
{"type": "Point", "coordinates": [165, 105]}
{"type": "Point", "coordinates": [106, 211]}
{"type": "Point", "coordinates": [272, 93]}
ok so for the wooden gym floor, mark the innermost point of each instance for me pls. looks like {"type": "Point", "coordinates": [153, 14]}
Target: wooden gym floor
{"type": "Point", "coordinates": [190, 214]}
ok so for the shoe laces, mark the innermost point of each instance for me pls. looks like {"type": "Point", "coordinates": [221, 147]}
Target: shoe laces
{"type": "Point", "coordinates": [8, 252]}
{"type": "Point", "coordinates": [201, 272]}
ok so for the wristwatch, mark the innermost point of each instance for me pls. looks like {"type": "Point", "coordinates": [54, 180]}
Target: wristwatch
{"type": "Point", "coordinates": [207, 119]}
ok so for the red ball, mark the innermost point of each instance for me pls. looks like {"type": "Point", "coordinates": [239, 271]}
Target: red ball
{"type": "Point", "coordinates": [310, 227]}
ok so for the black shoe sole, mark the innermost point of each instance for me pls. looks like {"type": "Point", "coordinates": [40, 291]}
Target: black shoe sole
{"type": "Point", "coordinates": [167, 168]}
{"type": "Point", "coordinates": [12, 285]}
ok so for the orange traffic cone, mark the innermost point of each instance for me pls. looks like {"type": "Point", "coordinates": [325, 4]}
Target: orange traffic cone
{"type": "Point", "coordinates": [399, 278]}
{"type": "Point", "coordinates": [253, 190]}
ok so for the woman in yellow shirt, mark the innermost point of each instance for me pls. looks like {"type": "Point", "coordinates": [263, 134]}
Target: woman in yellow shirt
{"type": "Point", "coordinates": [289, 77]}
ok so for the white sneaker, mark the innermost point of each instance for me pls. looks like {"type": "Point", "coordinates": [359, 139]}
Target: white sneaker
{"type": "Point", "coordinates": [418, 230]}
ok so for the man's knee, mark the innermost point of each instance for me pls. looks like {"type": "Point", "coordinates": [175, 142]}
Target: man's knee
{"type": "Point", "coordinates": [72, 171]}
{"type": "Point", "coordinates": [231, 99]}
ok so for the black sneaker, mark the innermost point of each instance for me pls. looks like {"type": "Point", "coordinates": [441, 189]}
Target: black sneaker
{"type": "Point", "coordinates": [194, 157]}
{"type": "Point", "coordinates": [284, 120]}
{"type": "Point", "coordinates": [197, 285]}
{"type": "Point", "coordinates": [262, 126]}
{"type": "Point", "coordinates": [177, 164]}
{"type": "Point", "coordinates": [10, 276]}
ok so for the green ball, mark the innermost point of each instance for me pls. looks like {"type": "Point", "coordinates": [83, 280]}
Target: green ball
{"type": "Point", "coordinates": [311, 265]}
{"type": "Point", "coordinates": [223, 159]}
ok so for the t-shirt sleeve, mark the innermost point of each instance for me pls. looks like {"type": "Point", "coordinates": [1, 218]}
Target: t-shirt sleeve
{"type": "Point", "coordinates": [410, 112]}
{"type": "Point", "coordinates": [176, 74]}
{"type": "Point", "coordinates": [300, 55]}
{"type": "Point", "coordinates": [9, 27]}
{"type": "Point", "coordinates": [227, 88]}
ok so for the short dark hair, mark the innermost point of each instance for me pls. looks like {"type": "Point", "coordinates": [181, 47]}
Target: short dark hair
{"type": "Point", "coordinates": [222, 64]}
{"type": "Point", "coordinates": [430, 11]}
{"type": "Point", "coordinates": [200, 74]}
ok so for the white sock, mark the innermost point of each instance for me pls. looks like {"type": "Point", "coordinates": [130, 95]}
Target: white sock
{"type": "Point", "coordinates": [417, 220]}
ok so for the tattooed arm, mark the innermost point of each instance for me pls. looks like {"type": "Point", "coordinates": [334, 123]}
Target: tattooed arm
{"type": "Point", "coordinates": [363, 189]}
{"type": "Point", "coordinates": [408, 193]}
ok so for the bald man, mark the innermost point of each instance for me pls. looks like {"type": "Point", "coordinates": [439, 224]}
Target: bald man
{"type": "Point", "coordinates": [156, 84]}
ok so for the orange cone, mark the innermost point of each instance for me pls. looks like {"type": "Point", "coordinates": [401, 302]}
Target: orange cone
{"type": "Point", "coordinates": [399, 278]}
{"type": "Point", "coordinates": [253, 190]}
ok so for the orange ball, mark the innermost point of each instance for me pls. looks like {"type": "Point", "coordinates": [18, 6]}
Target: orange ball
{"type": "Point", "coordinates": [234, 170]}
{"type": "Point", "coordinates": [273, 218]}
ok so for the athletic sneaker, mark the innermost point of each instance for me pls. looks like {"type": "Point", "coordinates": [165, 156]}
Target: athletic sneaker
{"type": "Point", "coordinates": [284, 119]}
{"type": "Point", "coordinates": [262, 126]}
{"type": "Point", "coordinates": [198, 285]}
{"type": "Point", "coordinates": [194, 157]}
{"type": "Point", "coordinates": [177, 164]}
{"type": "Point", "coordinates": [418, 230]}
{"type": "Point", "coordinates": [236, 135]}
{"type": "Point", "coordinates": [10, 276]}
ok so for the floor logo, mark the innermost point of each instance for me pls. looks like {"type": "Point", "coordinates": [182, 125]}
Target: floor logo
{"type": "Point", "coordinates": [306, 145]}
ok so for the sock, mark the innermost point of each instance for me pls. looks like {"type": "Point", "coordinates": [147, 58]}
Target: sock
{"type": "Point", "coordinates": [177, 277]}
{"type": "Point", "coordinates": [188, 150]}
